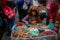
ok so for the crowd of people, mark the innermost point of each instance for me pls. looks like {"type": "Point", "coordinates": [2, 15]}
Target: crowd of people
{"type": "Point", "coordinates": [29, 10]}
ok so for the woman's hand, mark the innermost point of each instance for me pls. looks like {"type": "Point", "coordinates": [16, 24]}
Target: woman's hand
{"type": "Point", "coordinates": [26, 22]}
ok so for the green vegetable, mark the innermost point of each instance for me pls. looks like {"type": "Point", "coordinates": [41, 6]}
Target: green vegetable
{"type": "Point", "coordinates": [34, 32]}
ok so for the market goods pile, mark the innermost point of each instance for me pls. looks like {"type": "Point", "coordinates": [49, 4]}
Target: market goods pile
{"type": "Point", "coordinates": [42, 9]}
{"type": "Point", "coordinates": [47, 33]}
{"type": "Point", "coordinates": [33, 31]}
{"type": "Point", "coordinates": [20, 31]}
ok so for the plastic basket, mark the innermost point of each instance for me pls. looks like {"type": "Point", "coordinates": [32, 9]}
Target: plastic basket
{"type": "Point", "coordinates": [48, 37]}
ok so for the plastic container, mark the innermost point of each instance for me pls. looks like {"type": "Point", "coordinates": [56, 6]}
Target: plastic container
{"type": "Point", "coordinates": [49, 37]}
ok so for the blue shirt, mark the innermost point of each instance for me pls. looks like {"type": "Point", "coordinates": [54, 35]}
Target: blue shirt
{"type": "Point", "coordinates": [20, 1]}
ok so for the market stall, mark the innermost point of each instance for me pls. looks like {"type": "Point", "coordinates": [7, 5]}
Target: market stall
{"type": "Point", "coordinates": [38, 31]}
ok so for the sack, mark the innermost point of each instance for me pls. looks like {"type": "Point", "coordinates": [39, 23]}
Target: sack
{"type": "Point", "coordinates": [8, 12]}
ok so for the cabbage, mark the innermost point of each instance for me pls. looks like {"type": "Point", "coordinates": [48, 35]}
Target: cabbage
{"type": "Point", "coordinates": [34, 32]}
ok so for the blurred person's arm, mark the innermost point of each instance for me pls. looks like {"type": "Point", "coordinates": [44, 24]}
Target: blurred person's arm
{"type": "Point", "coordinates": [25, 19]}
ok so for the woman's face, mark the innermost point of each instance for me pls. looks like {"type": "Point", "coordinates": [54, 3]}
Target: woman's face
{"type": "Point", "coordinates": [57, 24]}
{"type": "Point", "coordinates": [33, 13]}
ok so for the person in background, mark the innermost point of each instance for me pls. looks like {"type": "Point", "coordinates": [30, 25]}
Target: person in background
{"type": "Point", "coordinates": [58, 16]}
{"type": "Point", "coordinates": [58, 13]}
{"type": "Point", "coordinates": [56, 26]}
{"type": "Point", "coordinates": [32, 14]}
{"type": "Point", "coordinates": [26, 6]}
{"type": "Point", "coordinates": [2, 19]}
{"type": "Point", "coordinates": [11, 22]}
{"type": "Point", "coordinates": [48, 2]}
{"type": "Point", "coordinates": [11, 4]}
{"type": "Point", "coordinates": [20, 10]}
{"type": "Point", "coordinates": [51, 10]}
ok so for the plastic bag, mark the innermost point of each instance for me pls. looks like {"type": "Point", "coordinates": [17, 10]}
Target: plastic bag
{"type": "Point", "coordinates": [51, 25]}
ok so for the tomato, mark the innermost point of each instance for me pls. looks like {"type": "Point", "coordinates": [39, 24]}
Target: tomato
{"type": "Point", "coordinates": [33, 22]}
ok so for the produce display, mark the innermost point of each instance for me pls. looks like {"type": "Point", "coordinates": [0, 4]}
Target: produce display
{"type": "Point", "coordinates": [33, 21]}
{"type": "Point", "coordinates": [47, 33]}
{"type": "Point", "coordinates": [21, 31]}
{"type": "Point", "coordinates": [34, 32]}
{"type": "Point", "coordinates": [35, 27]}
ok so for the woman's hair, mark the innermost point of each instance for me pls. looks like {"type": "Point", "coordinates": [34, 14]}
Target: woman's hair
{"type": "Point", "coordinates": [33, 9]}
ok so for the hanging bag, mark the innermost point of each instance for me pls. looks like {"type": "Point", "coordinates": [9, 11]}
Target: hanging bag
{"type": "Point", "coordinates": [8, 12]}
